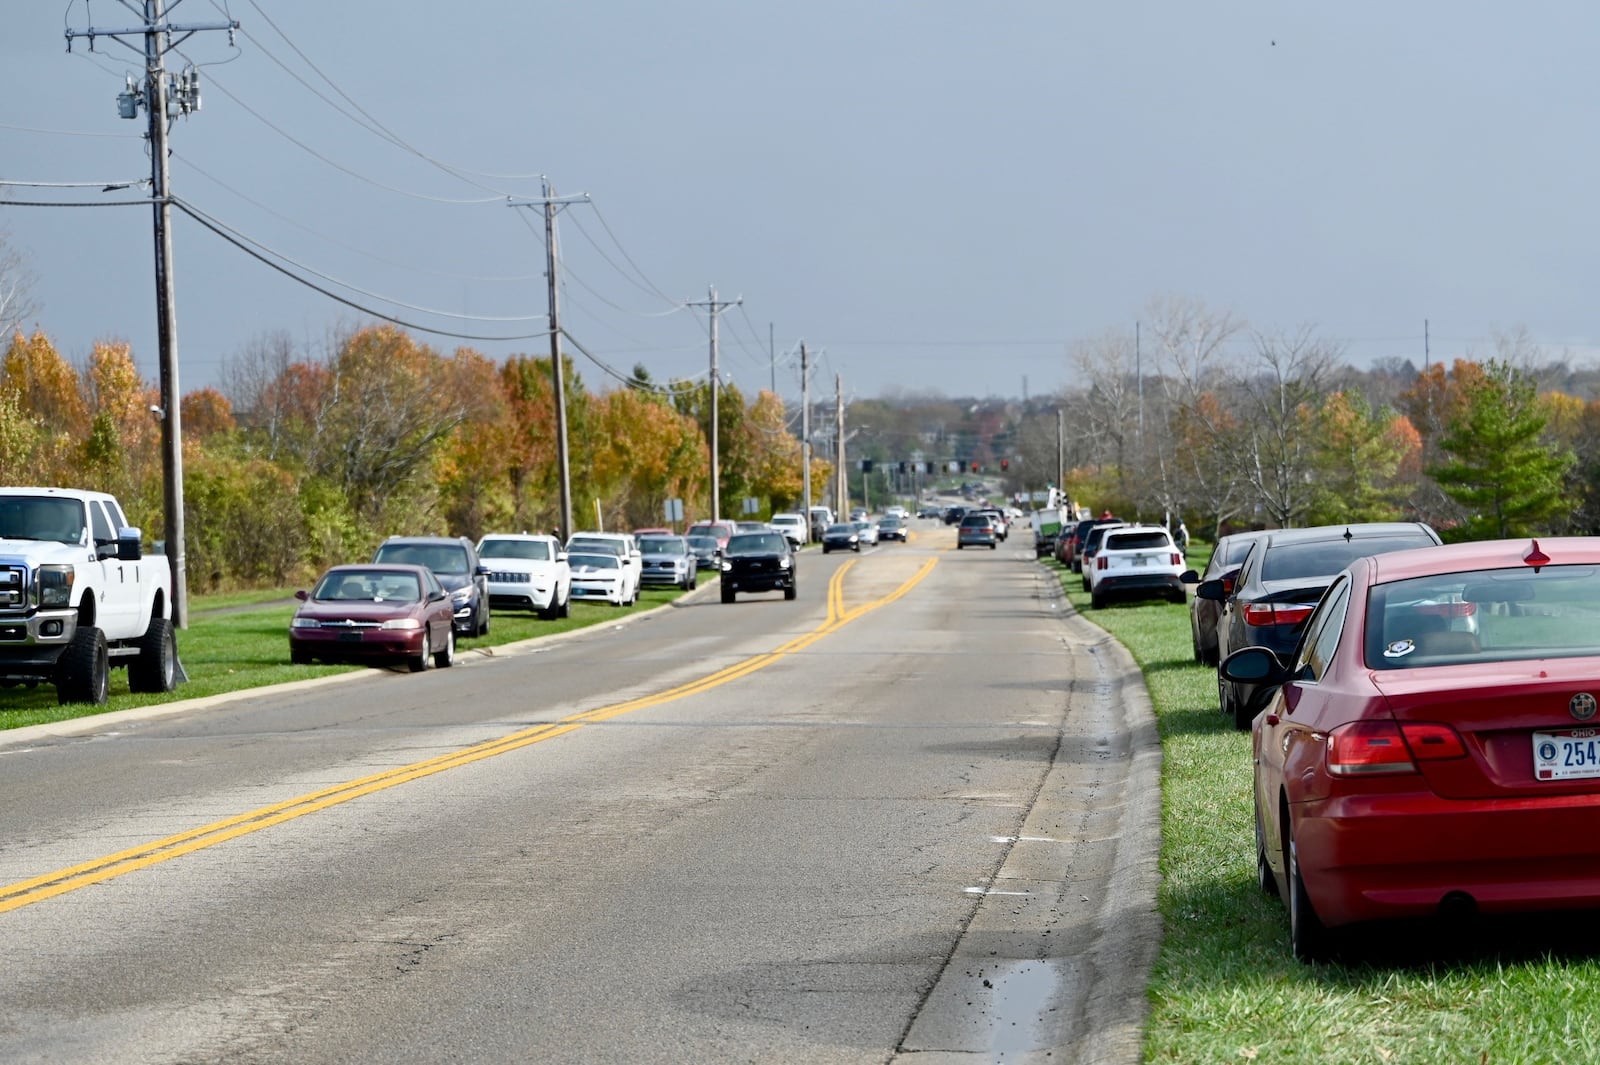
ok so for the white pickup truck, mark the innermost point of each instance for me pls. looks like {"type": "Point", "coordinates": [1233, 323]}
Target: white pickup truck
{"type": "Point", "coordinates": [77, 596]}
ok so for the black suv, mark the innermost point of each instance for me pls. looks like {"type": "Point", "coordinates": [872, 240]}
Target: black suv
{"type": "Point", "coordinates": [454, 560]}
{"type": "Point", "coordinates": [757, 562]}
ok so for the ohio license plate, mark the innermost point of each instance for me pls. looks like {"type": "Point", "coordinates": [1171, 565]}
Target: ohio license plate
{"type": "Point", "coordinates": [1571, 754]}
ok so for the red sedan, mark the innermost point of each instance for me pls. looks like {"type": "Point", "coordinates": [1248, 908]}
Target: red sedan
{"type": "Point", "coordinates": [378, 611]}
{"type": "Point", "coordinates": [1434, 746]}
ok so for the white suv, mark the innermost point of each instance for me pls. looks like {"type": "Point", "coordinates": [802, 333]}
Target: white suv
{"type": "Point", "coordinates": [1137, 561]}
{"type": "Point", "coordinates": [793, 526]}
{"type": "Point", "coordinates": [527, 571]}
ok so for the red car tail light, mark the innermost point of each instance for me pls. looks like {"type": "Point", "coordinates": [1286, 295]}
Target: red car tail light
{"type": "Point", "coordinates": [1275, 614]}
{"type": "Point", "coordinates": [1099, 562]}
{"type": "Point", "coordinates": [1177, 559]}
{"type": "Point", "coordinates": [1227, 583]}
{"type": "Point", "coordinates": [1366, 748]}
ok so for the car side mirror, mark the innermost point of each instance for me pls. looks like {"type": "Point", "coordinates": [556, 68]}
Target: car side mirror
{"type": "Point", "coordinates": [1189, 576]}
{"type": "Point", "coordinates": [482, 570]}
{"type": "Point", "coordinates": [1212, 590]}
{"type": "Point", "coordinates": [561, 556]}
{"type": "Point", "coordinates": [302, 595]}
{"type": "Point", "coordinates": [1253, 665]}
{"type": "Point", "coordinates": [434, 597]}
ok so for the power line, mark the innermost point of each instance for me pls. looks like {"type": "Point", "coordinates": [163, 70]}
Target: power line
{"type": "Point", "coordinates": [195, 211]}
{"type": "Point", "coordinates": [258, 116]}
{"type": "Point", "coordinates": [348, 247]}
{"type": "Point", "coordinates": [254, 254]}
{"type": "Point", "coordinates": [377, 126]}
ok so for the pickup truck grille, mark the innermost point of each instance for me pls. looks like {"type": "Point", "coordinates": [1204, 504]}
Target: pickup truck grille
{"type": "Point", "coordinates": [13, 589]}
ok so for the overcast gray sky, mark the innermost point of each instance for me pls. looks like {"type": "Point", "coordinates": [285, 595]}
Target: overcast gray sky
{"type": "Point", "coordinates": [937, 195]}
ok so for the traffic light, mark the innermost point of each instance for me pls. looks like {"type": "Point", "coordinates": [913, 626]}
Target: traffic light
{"type": "Point", "coordinates": [866, 465]}
{"type": "Point", "coordinates": [974, 467]}
{"type": "Point", "coordinates": [1005, 464]}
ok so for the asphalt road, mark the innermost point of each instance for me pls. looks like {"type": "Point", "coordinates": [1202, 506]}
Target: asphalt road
{"type": "Point", "coordinates": [910, 817]}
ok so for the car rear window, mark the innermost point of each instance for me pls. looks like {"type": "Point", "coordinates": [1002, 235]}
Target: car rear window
{"type": "Point", "coordinates": [1288, 562]}
{"type": "Point", "coordinates": [1484, 616]}
{"type": "Point", "coordinates": [1136, 541]}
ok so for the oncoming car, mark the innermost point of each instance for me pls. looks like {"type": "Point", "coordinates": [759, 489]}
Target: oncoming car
{"type": "Point", "coordinates": [1432, 746]}
{"type": "Point", "coordinates": [841, 536]}
{"type": "Point", "coordinates": [758, 562]}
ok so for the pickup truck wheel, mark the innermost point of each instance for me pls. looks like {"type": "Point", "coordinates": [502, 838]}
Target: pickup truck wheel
{"type": "Point", "coordinates": [83, 672]}
{"type": "Point", "coordinates": [156, 667]}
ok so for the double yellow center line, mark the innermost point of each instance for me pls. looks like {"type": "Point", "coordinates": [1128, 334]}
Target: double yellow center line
{"type": "Point", "coordinates": [26, 892]}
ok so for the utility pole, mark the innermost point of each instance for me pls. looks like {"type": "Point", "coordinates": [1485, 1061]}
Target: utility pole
{"type": "Point", "coordinates": [841, 478]}
{"type": "Point", "coordinates": [772, 358]}
{"type": "Point", "coordinates": [163, 102]}
{"type": "Point", "coordinates": [558, 384]}
{"type": "Point", "coordinates": [1061, 451]}
{"type": "Point", "coordinates": [714, 308]}
{"type": "Point", "coordinates": [805, 436]}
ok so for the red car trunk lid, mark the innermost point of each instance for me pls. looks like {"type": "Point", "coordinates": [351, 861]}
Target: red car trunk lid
{"type": "Point", "coordinates": [1496, 707]}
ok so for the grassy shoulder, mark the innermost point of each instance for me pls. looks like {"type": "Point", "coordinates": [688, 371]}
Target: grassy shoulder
{"type": "Point", "coordinates": [241, 641]}
{"type": "Point", "coordinates": [1225, 986]}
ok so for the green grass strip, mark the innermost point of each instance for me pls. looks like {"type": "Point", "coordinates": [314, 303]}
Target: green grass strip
{"type": "Point", "coordinates": [1225, 987]}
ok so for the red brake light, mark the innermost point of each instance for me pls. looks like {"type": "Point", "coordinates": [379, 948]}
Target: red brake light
{"type": "Point", "coordinates": [1227, 584]}
{"type": "Point", "coordinates": [1365, 748]}
{"type": "Point", "coordinates": [1099, 562]}
{"type": "Point", "coordinates": [1177, 559]}
{"type": "Point", "coordinates": [1429, 741]}
{"type": "Point", "coordinates": [1275, 614]}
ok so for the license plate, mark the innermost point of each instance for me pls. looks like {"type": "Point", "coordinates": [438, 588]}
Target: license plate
{"type": "Point", "coordinates": [1140, 560]}
{"type": "Point", "coordinates": [350, 637]}
{"type": "Point", "coordinates": [1573, 754]}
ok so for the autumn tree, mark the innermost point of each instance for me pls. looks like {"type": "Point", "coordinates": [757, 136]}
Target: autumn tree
{"type": "Point", "coordinates": [51, 392]}
{"type": "Point", "coordinates": [470, 465]}
{"type": "Point", "coordinates": [1357, 459]}
{"type": "Point", "coordinates": [1497, 464]}
{"type": "Point", "coordinates": [1279, 394]}
{"type": "Point", "coordinates": [776, 475]}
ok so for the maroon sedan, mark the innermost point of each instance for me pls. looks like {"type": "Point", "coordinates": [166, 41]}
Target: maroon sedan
{"type": "Point", "coordinates": [1434, 746]}
{"type": "Point", "coordinates": [375, 612]}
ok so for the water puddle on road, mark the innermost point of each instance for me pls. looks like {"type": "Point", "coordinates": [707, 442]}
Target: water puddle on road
{"type": "Point", "coordinates": [1023, 997]}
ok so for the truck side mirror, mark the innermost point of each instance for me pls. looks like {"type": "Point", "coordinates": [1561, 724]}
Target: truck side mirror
{"type": "Point", "coordinates": [129, 545]}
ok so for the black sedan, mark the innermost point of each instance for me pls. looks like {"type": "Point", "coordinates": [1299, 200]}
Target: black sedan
{"type": "Point", "coordinates": [1282, 578]}
{"type": "Point", "coordinates": [841, 536]}
{"type": "Point", "coordinates": [758, 562]}
{"type": "Point", "coordinates": [1203, 613]}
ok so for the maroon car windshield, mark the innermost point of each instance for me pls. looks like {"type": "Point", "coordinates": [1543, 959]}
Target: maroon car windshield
{"type": "Point", "coordinates": [1494, 615]}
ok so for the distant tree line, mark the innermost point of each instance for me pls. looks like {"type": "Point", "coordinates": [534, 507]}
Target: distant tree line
{"type": "Point", "coordinates": [297, 461]}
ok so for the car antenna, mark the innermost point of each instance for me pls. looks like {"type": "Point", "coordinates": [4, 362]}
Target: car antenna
{"type": "Point", "coordinates": [1348, 535]}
